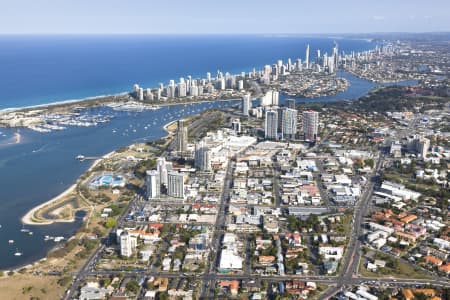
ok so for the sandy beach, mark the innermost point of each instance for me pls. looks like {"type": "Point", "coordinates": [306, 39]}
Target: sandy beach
{"type": "Point", "coordinates": [28, 217]}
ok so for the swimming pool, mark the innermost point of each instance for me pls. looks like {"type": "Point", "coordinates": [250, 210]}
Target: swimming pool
{"type": "Point", "coordinates": [108, 180]}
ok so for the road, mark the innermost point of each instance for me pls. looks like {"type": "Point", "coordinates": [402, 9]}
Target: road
{"type": "Point", "coordinates": [210, 272]}
{"type": "Point", "coordinates": [87, 268]}
{"type": "Point", "coordinates": [350, 261]}
{"type": "Point", "coordinates": [348, 272]}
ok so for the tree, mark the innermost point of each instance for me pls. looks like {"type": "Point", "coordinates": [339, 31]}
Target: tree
{"type": "Point", "coordinates": [110, 223]}
{"type": "Point", "coordinates": [369, 162]}
{"type": "Point", "coordinates": [133, 286]}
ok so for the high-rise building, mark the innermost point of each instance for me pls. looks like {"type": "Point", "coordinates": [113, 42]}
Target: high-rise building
{"type": "Point", "coordinates": [335, 56]}
{"type": "Point", "coordinates": [240, 85]}
{"type": "Point", "coordinates": [290, 103]}
{"type": "Point", "coordinates": [175, 184]}
{"type": "Point", "coordinates": [271, 98]}
{"type": "Point", "coordinates": [287, 122]}
{"type": "Point", "coordinates": [310, 125]}
{"type": "Point", "coordinates": [128, 244]}
{"type": "Point", "coordinates": [236, 125]}
{"type": "Point", "coordinates": [420, 145]}
{"type": "Point", "coordinates": [181, 137]}
{"type": "Point", "coordinates": [136, 90]}
{"type": "Point", "coordinates": [182, 89]}
{"type": "Point", "coordinates": [148, 95]}
{"type": "Point", "coordinates": [202, 157]}
{"type": "Point", "coordinates": [161, 167]}
{"type": "Point", "coordinates": [271, 125]}
{"type": "Point", "coordinates": [222, 84]}
{"type": "Point", "coordinates": [158, 94]}
{"type": "Point", "coordinates": [246, 104]}
{"type": "Point", "coordinates": [298, 65]}
{"type": "Point", "coordinates": [152, 184]}
{"type": "Point", "coordinates": [170, 90]}
{"type": "Point", "coordinates": [307, 57]}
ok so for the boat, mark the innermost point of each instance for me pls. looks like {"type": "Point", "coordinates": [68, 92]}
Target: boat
{"type": "Point", "coordinates": [11, 241]}
{"type": "Point", "coordinates": [30, 233]}
{"type": "Point", "coordinates": [24, 230]}
{"type": "Point", "coordinates": [17, 253]}
{"type": "Point", "coordinates": [58, 239]}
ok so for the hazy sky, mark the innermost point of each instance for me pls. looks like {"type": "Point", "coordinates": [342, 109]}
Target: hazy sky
{"type": "Point", "coordinates": [222, 16]}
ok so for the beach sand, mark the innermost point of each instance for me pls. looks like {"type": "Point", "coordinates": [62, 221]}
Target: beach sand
{"type": "Point", "coordinates": [28, 217]}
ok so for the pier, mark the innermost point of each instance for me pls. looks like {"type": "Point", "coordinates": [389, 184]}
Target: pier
{"type": "Point", "coordinates": [83, 158]}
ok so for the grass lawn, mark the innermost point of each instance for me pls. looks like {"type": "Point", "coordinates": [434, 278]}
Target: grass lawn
{"type": "Point", "coordinates": [404, 271]}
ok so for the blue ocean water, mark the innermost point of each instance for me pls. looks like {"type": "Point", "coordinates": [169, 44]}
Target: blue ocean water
{"type": "Point", "coordinates": [43, 69]}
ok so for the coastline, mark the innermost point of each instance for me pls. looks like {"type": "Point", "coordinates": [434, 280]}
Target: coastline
{"type": "Point", "coordinates": [62, 103]}
{"type": "Point", "coordinates": [27, 219]}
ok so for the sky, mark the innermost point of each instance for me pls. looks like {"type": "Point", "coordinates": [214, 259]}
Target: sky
{"type": "Point", "coordinates": [222, 16]}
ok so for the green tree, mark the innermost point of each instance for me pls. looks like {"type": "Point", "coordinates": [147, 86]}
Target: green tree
{"type": "Point", "coordinates": [133, 286]}
{"type": "Point", "coordinates": [369, 162]}
{"type": "Point", "coordinates": [110, 223]}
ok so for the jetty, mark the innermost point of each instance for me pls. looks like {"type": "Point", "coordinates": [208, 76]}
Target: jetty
{"type": "Point", "coordinates": [82, 157]}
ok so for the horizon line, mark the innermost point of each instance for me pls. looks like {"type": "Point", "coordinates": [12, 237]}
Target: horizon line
{"type": "Point", "coordinates": [220, 33]}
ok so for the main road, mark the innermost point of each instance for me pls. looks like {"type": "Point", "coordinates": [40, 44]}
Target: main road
{"type": "Point", "coordinates": [210, 272]}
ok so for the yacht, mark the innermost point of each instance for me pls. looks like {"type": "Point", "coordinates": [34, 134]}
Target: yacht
{"type": "Point", "coordinates": [11, 241]}
{"type": "Point", "coordinates": [58, 239]}
{"type": "Point", "coordinates": [24, 229]}
{"type": "Point", "coordinates": [18, 253]}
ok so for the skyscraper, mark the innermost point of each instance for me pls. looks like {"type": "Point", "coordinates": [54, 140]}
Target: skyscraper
{"type": "Point", "coordinates": [287, 122]}
{"type": "Point", "coordinates": [271, 125]}
{"type": "Point", "coordinates": [246, 104]}
{"type": "Point", "coordinates": [307, 57]}
{"type": "Point", "coordinates": [240, 85]}
{"type": "Point", "coordinates": [175, 184]}
{"type": "Point", "coordinates": [161, 167]}
{"type": "Point", "coordinates": [152, 184]}
{"type": "Point", "coordinates": [335, 56]}
{"type": "Point", "coordinates": [181, 137]}
{"type": "Point", "coordinates": [310, 125]}
{"type": "Point", "coordinates": [182, 89]}
{"type": "Point", "coordinates": [202, 157]}
{"type": "Point", "coordinates": [171, 89]}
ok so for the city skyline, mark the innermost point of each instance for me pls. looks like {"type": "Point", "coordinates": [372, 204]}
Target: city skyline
{"type": "Point", "coordinates": [203, 17]}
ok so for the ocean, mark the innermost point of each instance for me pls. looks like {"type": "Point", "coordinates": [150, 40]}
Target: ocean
{"type": "Point", "coordinates": [43, 69]}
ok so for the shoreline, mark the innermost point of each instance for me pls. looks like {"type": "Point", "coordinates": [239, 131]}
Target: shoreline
{"type": "Point", "coordinates": [27, 219]}
{"type": "Point", "coordinates": [61, 103]}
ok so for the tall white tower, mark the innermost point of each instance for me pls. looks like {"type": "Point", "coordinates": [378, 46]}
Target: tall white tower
{"type": "Point", "coordinates": [152, 184]}
{"type": "Point", "coordinates": [307, 57]}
